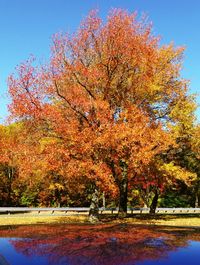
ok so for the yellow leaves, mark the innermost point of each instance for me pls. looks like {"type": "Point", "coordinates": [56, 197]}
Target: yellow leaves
{"type": "Point", "coordinates": [195, 141]}
{"type": "Point", "coordinates": [154, 89]}
{"type": "Point", "coordinates": [174, 172]}
{"type": "Point", "coordinates": [56, 186]}
{"type": "Point", "coordinates": [47, 141]}
{"type": "Point", "coordinates": [184, 109]}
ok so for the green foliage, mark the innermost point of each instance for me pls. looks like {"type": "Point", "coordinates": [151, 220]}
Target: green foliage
{"type": "Point", "coordinates": [172, 199]}
{"type": "Point", "coordinates": [29, 198]}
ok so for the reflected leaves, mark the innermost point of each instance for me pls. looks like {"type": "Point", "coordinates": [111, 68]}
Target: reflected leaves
{"type": "Point", "coordinates": [105, 244]}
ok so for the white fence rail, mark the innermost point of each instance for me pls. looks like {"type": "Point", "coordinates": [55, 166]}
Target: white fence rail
{"type": "Point", "coordinates": [78, 210]}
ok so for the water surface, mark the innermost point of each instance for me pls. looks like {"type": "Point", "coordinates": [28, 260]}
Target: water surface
{"type": "Point", "coordinates": [106, 244]}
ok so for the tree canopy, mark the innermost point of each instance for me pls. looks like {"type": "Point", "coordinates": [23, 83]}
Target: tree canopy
{"type": "Point", "coordinates": [106, 110]}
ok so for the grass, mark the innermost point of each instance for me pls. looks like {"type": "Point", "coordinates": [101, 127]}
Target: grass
{"type": "Point", "coordinates": [19, 219]}
{"type": "Point", "coordinates": [162, 219]}
{"type": "Point", "coordinates": [166, 220]}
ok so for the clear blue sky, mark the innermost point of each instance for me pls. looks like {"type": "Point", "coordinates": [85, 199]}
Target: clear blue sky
{"type": "Point", "coordinates": [26, 27]}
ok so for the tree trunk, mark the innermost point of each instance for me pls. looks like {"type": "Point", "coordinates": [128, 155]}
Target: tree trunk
{"type": "Point", "coordinates": [154, 203]}
{"type": "Point", "coordinates": [94, 207]}
{"type": "Point", "coordinates": [123, 189]}
{"type": "Point", "coordinates": [104, 200]}
{"type": "Point", "coordinates": [10, 178]}
{"type": "Point", "coordinates": [196, 200]}
{"type": "Point", "coordinates": [145, 205]}
{"type": "Point", "coordinates": [145, 195]}
{"type": "Point", "coordinates": [196, 193]}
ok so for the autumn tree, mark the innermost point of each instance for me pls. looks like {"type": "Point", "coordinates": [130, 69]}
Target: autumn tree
{"type": "Point", "coordinates": [9, 161]}
{"type": "Point", "coordinates": [19, 165]}
{"type": "Point", "coordinates": [187, 155]}
{"type": "Point", "coordinates": [107, 100]}
{"type": "Point", "coordinates": [159, 177]}
{"type": "Point", "coordinates": [177, 164]}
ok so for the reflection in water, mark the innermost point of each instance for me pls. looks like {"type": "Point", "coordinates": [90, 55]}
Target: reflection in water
{"type": "Point", "coordinates": [3, 261]}
{"type": "Point", "coordinates": [98, 244]}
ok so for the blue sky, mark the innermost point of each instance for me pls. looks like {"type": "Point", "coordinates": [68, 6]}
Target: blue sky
{"type": "Point", "coordinates": [26, 27]}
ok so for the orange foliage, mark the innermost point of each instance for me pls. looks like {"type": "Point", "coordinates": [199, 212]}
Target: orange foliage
{"type": "Point", "coordinates": [101, 108]}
